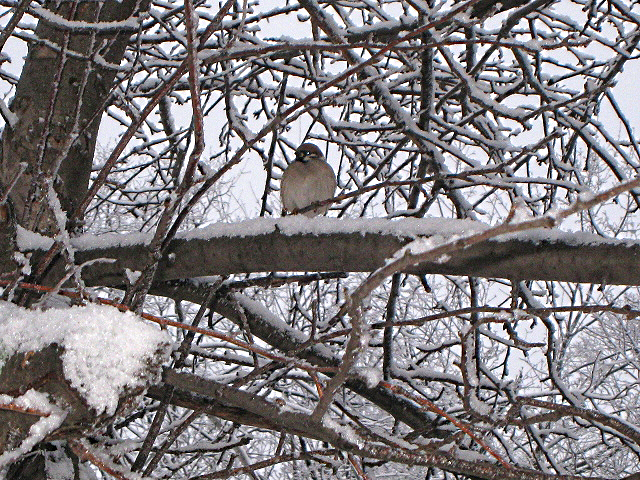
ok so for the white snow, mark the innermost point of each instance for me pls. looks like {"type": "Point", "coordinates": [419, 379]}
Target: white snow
{"type": "Point", "coordinates": [424, 244]}
{"type": "Point", "coordinates": [372, 376]}
{"type": "Point", "coordinates": [28, 240]}
{"type": "Point", "coordinates": [61, 219]}
{"type": "Point", "coordinates": [45, 425]}
{"type": "Point", "coordinates": [23, 260]}
{"type": "Point", "coordinates": [10, 117]}
{"type": "Point", "coordinates": [105, 351]}
{"type": "Point", "coordinates": [132, 275]}
{"type": "Point", "coordinates": [586, 196]}
{"type": "Point", "coordinates": [443, 258]}
{"type": "Point", "coordinates": [344, 431]}
{"type": "Point", "coordinates": [258, 309]}
{"type": "Point", "coordinates": [58, 466]}
{"type": "Point", "coordinates": [478, 405]}
{"type": "Point", "coordinates": [472, 456]}
{"type": "Point", "coordinates": [129, 24]}
{"type": "Point", "coordinates": [392, 439]}
{"type": "Point", "coordinates": [277, 324]}
{"type": "Point", "coordinates": [298, 224]}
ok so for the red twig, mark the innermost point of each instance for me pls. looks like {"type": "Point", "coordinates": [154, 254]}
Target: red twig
{"type": "Point", "coordinates": [435, 409]}
{"type": "Point", "coordinates": [28, 410]}
{"type": "Point", "coordinates": [183, 326]}
{"type": "Point", "coordinates": [83, 452]}
{"type": "Point", "coordinates": [357, 467]}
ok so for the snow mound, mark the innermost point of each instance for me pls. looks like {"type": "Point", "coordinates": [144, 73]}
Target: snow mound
{"type": "Point", "coordinates": [106, 352]}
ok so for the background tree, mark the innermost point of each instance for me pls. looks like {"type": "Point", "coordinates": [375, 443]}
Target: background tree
{"type": "Point", "coordinates": [468, 310]}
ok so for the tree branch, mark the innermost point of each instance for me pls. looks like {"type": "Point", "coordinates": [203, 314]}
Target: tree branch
{"type": "Point", "coordinates": [328, 244]}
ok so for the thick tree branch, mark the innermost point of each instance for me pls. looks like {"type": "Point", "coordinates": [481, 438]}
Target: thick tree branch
{"type": "Point", "coordinates": [328, 244]}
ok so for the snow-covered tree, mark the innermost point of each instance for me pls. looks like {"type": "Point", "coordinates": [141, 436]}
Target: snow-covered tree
{"type": "Point", "coordinates": [467, 309]}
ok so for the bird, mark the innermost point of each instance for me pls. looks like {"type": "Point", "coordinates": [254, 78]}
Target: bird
{"type": "Point", "coordinates": [308, 179]}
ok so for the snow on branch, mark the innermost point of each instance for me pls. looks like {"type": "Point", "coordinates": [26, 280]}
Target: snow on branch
{"type": "Point", "coordinates": [356, 245]}
{"type": "Point", "coordinates": [106, 353]}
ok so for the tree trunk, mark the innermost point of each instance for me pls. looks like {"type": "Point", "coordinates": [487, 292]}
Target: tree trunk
{"type": "Point", "coordinates": [55, 133]}
{"type": "Point", "coordinates": [54, 137]}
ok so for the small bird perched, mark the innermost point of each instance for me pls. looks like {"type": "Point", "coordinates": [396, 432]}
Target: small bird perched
{"type": "Point", "coordinates": [307, 180]}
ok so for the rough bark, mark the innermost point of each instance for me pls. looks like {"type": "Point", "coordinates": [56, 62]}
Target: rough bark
{"type": "Point", "coordinates": [55, 134]}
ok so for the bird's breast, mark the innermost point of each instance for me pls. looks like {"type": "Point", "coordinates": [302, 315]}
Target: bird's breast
{"type": "Point", "coordinates": [304, 183]}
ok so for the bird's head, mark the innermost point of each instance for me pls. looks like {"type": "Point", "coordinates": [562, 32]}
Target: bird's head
{"type": "Point", "coordinates": [308, 151]}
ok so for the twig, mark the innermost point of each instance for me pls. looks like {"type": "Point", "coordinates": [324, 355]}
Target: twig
{"type": "Point", "coordinates": [126, 138]}
{"type": "Point", "coordinates": [435, 409]}
{"type": "Point", "coordinates": [84, 452]}
{"type": "Point", "coordinates": [236, 472]}
{"type": "Point", "coordinates": [28, 410]}
{"type": "Point", "coordinates": [358, 340]}
{"type": "Point", "coordinates": [357, 467]}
